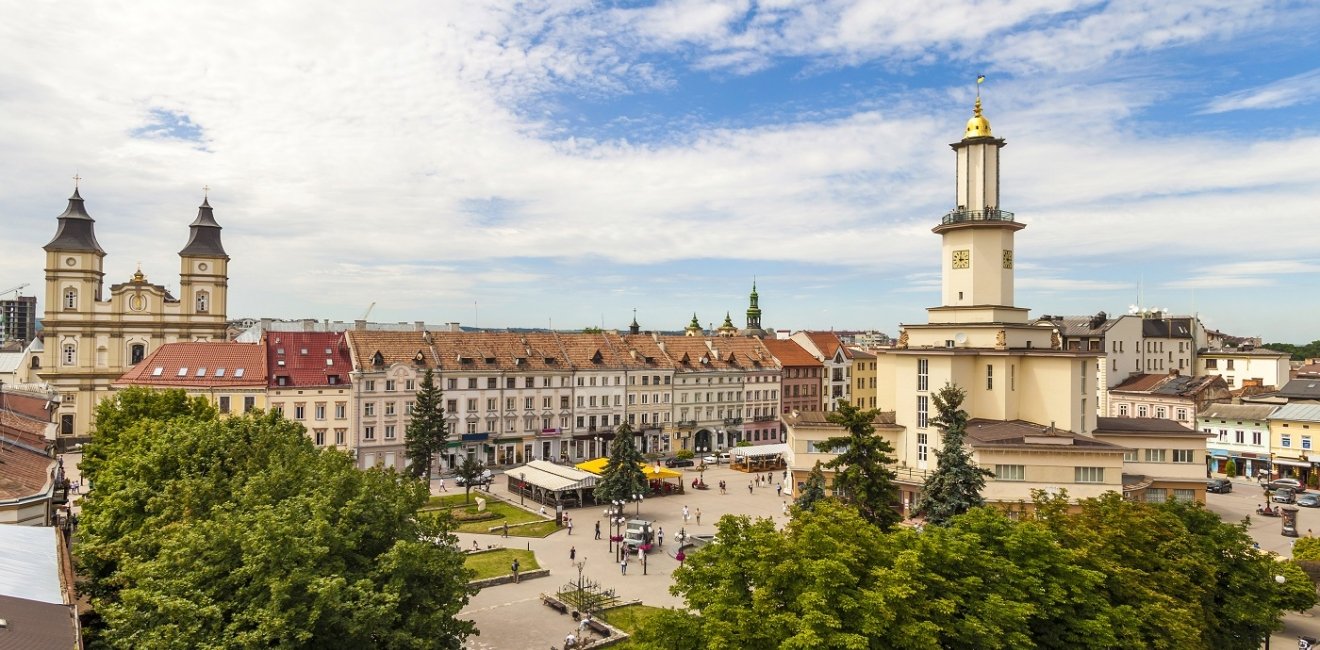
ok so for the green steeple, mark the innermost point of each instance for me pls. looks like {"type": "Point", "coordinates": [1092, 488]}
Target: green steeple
{"type": "Point", "coordinates": [754, 311]}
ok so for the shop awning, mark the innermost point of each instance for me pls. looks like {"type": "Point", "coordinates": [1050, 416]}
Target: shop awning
{"type": "Point", "coordinates": [552, 477]}
{"type": "Point", "coordinates": [597, 467]}
{"type": "Point", "coordinates": [1291, 463]}
{"type": "Point", "coordinates": [760, 451]}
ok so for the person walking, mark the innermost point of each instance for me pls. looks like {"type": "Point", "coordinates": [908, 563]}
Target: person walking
{"type": "Point", "coordinates": [570, 526]}
{"type": "Point", "coordinates": [749, 487]}
{"type": "Point", "coordinates": [515, 566]}
{"type": "Point", "coordinates": [779, 492]}
{"type": "Point", "coordinates": [623, 565]}
{"type": "Point", "coordinates": [442, 485]}
{"type": "Point", "coordinates": [660, 536]}
{"type": "Point", "coordinates": [597, 530]}
{"type": "Point", "coordinates": [685, 514]}
{"type": "Point", "coordinates": [572, 553]}
{"type": "Point", "coordinates": [698, 516]}
{"type": "Point", "coordinates": [506, 529]}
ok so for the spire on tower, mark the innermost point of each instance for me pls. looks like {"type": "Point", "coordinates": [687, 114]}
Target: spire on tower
{"type": "Point", "coordinates": [75, 232]}
{"type": "Point", "coordinates": [204, 239]}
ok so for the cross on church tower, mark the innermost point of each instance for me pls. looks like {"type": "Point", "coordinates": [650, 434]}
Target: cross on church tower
{"type": "Point", "coordinates": [76, 179]}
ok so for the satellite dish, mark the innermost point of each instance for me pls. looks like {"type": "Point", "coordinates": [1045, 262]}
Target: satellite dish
{"type": "Point", "coordinates": [960, 338]}
{"type": "Point", "coordinates": [1132, 309]}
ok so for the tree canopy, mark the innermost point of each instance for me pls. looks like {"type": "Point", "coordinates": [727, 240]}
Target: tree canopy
{"type": "Point", "coordinates": [623, 476]}
{"type": "Point", "coordinates": [956, 484]}
{"type": "Point", "coordinates": [813, 489]}
{"type": "Point", "coordinates": [1300, 352]}
{"type": "Point", "coordinates": [470, 470]}
{"type": "Point", "coordinates": [427, 431]}
{"type": "Point", "coordinates": [862, 469]}
{"type": "Point", "coordinates": [1112, 574]}
{"type": "Point", "coordinates": [237, 532]}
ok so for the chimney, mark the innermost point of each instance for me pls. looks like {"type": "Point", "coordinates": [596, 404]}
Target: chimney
{"type": "Point", "coordinates": [419, 326]}
{"type": "Point", "coordinates": [360, 325]}
{"type": "Point", "coordinates": [453, 327]}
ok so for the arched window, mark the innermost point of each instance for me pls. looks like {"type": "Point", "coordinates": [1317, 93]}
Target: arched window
{"type": "Point", "coordinates": [70, 298]}
{"type": "Point", "coordinates": [136, 352]}
{"type": "Point", "coordinates": [70, 355]}
{"type": "Point", "coordinates": [203, 298]}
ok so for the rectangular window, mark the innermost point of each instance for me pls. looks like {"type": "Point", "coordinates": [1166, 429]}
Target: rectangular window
{"type": "Point", "coordinates": [1088, 475]}
{"type": "Point", "coordinates": [299, 411]}
{"type": "Point", "coordinates": [1123, 410]}
{"type": "Point", "coordinates": [408, 407]}
{"type": "Point", "coordinates": [339, 436]}
{"type": "Point", "coordinates": [510, 382]}
{"type": "Point", "coordinates": [1285, 440]}
{"type": "Point", "coordinates": [923, 443]}
{"type": "Point", "coordinates": [472, 383]}
{"type": "Point", "coordinates": [320, 437]}
{"type": "Point", "coordinates": [451, 384]}
{"type": "Point", "coordinates": [389, 408]}
{"type": "Point", "coordinates": [224, 403]}
{"type": "Point", "coordinates": [989, 377]}
{"type": "Point", "coordinates": [1130, 456]}
{"type": "Point", "coordinates": [389, 385]}
{"type": "Point", "coordinates": [1255, 437]}
{"type": "Point", "coordinates": [1010, 472]}
{"type": "Point", "coordinates": [340, 409]}
{"type": "Point", "coordinates": [923, 420]}
{"type": "Point", "coordinates": [368, 433]}
{"type": "Point", "coordinates": [492, 382]}
{"type": "Point", "coordinates": [371, 386]}
{"type": "Point", "coordinates": [1211, 364]}
{"type": "Point", "coordinates": [1156, 495]}
{"type": "Point", "coordinates": [1184, 495]}
{"type": "Point", "coordinates": [1306, 442]}
{"type": "Point", "coordinates": [1143, 411]}
{"type": "Point", "coordinates": [320, 411]}
{"type": "Point", "coordinates": [1228, 364]}
{"type": "Point", "coordinates": [923, 374]}
{"type": "Point", "coordinates": [409, 385]}
{"type": "Point", "coordinates": [389, 432]}
{"type": "Point", "coordinates": [369, 409]}
{"type": "Point", "coordinates": [248, 403]}
{"type": "Point", "coordinates": [491, 404]}
{"type": "Point", "coordinates": [1184, 456]}
{"type": "Point", "coordinates": [1155, 455]}
{"type": "Point", "coordinates": [1238, 436]}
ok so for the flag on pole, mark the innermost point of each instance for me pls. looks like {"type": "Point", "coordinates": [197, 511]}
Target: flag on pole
{"type": "Point", "coordinates": [980, 78]}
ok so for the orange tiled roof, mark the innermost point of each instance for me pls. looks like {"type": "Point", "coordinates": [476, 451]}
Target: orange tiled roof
{"type": "Point", "coordinates": [200, 365]}
{"type": "Point", "coordinates": [790, 353]}
{"type": "Point", "coordinates": [691, 353]}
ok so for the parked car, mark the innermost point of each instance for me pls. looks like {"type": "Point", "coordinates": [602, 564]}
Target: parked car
{"type": "Point", "coordinates": [485, 479]}
{"type": "Point", "coordinates": [1289, 483]}
{"type": "Point", "coordinates": [1284, 495]}
{"type": "Point", "coordinates": [1219, 485]}
{"type": "Point", "coordinates": [1309, 500]}
{"type": "Point", "coordinates": [715, 460]}
{"type": "Point", "coordinates": [679, 462]}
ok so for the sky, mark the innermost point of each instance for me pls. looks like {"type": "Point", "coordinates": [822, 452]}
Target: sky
{"type": "Point", "coordinates": [564, 163]}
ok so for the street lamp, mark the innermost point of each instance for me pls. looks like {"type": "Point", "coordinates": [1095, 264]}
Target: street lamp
{"type": "Point", "coordinates": [638, 499]}
{"type": "Point", "coordinates": [1279, 579]}
{"type": "Point", "coordinates": [580, 564]}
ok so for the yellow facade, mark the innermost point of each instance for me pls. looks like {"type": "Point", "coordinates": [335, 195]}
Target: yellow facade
{"type": "Point", "coordinates": [92, 338]}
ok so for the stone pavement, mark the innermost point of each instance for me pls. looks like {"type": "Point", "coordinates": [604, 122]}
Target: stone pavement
{"type": "Point", "coordinates": [512, 616]}
{"type": "Point", "coordinates": [1242, 502]}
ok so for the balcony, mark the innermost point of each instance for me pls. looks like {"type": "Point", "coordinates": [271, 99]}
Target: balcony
{"type": "Point", "coordinates": [732, 421]}
{"type": "Point", "coordinates": [765, 418]}
{"type": "Point", "coordinates": [686, 424]}
{"type": "Point", "coordinates": [963, 216]}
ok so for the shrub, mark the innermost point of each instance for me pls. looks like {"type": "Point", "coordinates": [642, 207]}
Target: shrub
{"type": "Point", "coordinates": [684, 454]}
{"type": "Point", "coordinates": [1230, 468]}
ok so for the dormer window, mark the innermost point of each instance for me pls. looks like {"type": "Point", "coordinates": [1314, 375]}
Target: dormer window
{"type": "Point", "coordinates": [490, 360]}
{"type": "Point", "coordinates": [377, 359]}
{"type": "Point", "coordinates": [419, 358]}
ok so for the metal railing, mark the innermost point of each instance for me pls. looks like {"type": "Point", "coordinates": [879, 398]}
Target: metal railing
{"type": "Point", "coordinates": [989, 214]}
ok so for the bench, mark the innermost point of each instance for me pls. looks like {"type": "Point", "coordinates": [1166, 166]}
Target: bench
{"type": "Point", "coordinates": [599, 628]}
{"type": "Point", "coordinates": [554, 603]}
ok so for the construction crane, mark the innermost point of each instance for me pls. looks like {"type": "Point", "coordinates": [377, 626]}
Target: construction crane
{"type": "Point", "coordinates": [14, 290]}
{"type": "Point", "coordinates": [369, 308]}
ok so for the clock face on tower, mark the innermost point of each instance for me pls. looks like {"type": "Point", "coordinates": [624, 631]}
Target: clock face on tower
{"type": "Point", "coordinates": [962, 259]}
{"type": "Point", "coordinates": [1008, 259]}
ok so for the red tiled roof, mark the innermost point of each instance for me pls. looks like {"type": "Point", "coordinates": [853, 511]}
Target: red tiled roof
{"type": "Point", "coordinates": [25, 471]}
{"type": "Point", "coordinates": [720, 353]}
{"type": "Point", "coordinates": [307, 358]}
{"type": "Point", "coordinates": [828, 343]}
{"type": "Point", "coordinates": [1141, 383]}
{"type": "Point", "coordinates": [200, 364]}
{"type": "Point", "coordinates": [790, 354]}
{"type": "Point", "coordinates": [31, 406]}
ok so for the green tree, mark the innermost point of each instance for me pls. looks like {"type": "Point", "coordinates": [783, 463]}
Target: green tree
{"type": "Point", "coordinates": [471, 471]}
{"type": "Point", "coordinates": [956, 484]}
{"type": "Point", "coordinates": [428, 432]}
{"type": "Point", "coordinates": [131, 406]}
{"type": "Point", "coordinates": [238, 532]}
{"type": "Point", "coordinates": [623, 476]}
{"type": "Point", "coordinates": [1306, 548]}
{"type": "Point", "coordinates": [862, 469]}
{"type": "Point", "coordinates": [813, 489]}
{"type": "Point", "coordinates": [1230, 468]}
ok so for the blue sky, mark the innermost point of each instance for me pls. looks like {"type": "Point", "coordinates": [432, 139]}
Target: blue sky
{"type": "Point", "coordinates": [568, 162]}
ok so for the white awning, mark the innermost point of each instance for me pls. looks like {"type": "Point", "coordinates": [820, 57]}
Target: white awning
{"type": "Point", "coordinates": [760, 451]}
{"type": "Point", "coordinates": [1291, 463]}
{"type": "Point", "coordinates": [552, 477]}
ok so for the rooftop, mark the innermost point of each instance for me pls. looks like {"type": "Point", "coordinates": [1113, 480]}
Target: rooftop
{"type": "Point", "coordinates": [1301, 412]}
{"type": "Point", "coordinates": [1020, 434]}
{"type": "Point", "coordinates": [307, 358]}
{"type": "Point", "coordinates": [1143, 426]}
{"type": "Point", "coordinates": [1237, 411]}
{"type": "Point", "coordinates": [200, 364]}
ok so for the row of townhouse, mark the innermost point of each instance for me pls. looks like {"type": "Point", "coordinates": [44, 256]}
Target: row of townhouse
{"type": "Point", "coordinates": [1263, 440]}
{"type": "Point", "coordinates": [509, 397]}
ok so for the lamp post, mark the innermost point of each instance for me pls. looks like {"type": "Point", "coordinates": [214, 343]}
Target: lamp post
{"type": "Point", "coordinates": [638, 499]}
{"type": "Point", "coordinates": [1279, 579]}
{"type": "Point", "coordinates": [522, 487]}
{"type": "Point", "coordinates": [580, 564]}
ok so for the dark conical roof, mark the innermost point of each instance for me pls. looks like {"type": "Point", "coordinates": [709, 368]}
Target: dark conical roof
{"type": "Point", "coordinates": [205, 238]}
{"type": "Point", "coordinates": [75, 232]}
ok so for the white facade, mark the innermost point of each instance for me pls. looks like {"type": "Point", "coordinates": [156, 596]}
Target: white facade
{"type": "Point", "coordinates": [1238, 367]}
{"type": "Point", "coordinates": [1237, 431]}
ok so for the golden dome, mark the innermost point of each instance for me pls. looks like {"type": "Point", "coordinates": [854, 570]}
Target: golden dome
{"type": "Point", "coordinates": [978, 126]}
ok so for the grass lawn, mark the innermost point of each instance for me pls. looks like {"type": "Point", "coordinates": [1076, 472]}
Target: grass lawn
{"type": "Point", "coordinates": [446, 500]}
{"type": "Point", "coordinates": [496, 563]}
{"type": "Point", "coordinates": [505, 514]}
{"type": "Point", "coordinates": [534, 530]}
{"type": "Point", "coordinates": [629, 617]}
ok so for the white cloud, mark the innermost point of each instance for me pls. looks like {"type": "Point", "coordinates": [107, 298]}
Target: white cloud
{"type": "Point", "coordinates": [1297, 89]}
